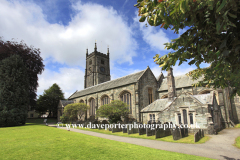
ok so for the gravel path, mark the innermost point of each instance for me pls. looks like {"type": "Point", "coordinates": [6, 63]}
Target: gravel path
{"type": "Point", "coordinates": [218, 147]}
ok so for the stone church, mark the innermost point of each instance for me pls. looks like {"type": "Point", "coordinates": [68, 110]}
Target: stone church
{"type": "Point", "coordinates": [164, 99]}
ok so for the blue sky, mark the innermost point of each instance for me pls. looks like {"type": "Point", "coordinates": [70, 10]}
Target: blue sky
{"type": "Point", "coordinates": [64, 29]}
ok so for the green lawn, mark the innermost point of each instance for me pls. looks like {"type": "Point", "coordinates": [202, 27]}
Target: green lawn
{"type": "Point", "coordinates": [237, 125]}
{"type": "Point", "coordinates": [36, 141]}
{"type": "Point", "coordinates": [189, 139]}
{"type": "Point", "coordinates": [237, 142]}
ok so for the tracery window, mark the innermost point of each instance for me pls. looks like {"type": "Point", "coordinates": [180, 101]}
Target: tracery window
{"type": "Point", "coordinates": [105, 100]}
{"type": "Point", "coordinates": [126, 98]}
{"type": "Point", "coordinates": [92, 107]}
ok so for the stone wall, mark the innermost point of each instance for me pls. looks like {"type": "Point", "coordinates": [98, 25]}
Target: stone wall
{"type": "Point", "coordinates": [148, 80]}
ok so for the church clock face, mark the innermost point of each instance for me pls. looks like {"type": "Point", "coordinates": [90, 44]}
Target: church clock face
{"type": "Point", "coordinates": [102, 69]}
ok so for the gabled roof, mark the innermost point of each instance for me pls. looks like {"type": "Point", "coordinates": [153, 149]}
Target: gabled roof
{"type": "Point", "coordinates": [204, 98]}
{"type": "Point", "coordinates": [161, 104]}
{"type": "Point", "coordinates": [129, 79]}
{"type": "Point", "coordinates": [157, 106]}
{"type": "Point", "coordinates": [65, 102]}
{"type": "Point", "coordinates": [180, 82]}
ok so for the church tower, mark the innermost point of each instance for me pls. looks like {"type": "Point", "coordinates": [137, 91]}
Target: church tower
{"type": "Point", "coordinates": [97, 68]}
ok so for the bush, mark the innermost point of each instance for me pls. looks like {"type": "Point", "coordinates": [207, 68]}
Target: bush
{"type": "Point", "coordinates": [113, 111]}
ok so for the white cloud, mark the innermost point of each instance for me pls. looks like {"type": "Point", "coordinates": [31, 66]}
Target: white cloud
{"type": "Point", "coordinates": [67, 44]}
{"type": "Point", "coordinates": [68, 79]}
{"type": "Point", "coordinates": [177, 70]}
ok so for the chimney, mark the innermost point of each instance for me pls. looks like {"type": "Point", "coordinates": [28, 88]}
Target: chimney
{"type": "Point", "coordinates": [171, 85]}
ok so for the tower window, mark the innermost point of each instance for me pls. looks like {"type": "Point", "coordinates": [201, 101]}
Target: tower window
{"type": "Point", "coordinates": [90, 62]}
{"type": "Point", "coordinates": [102, 61]}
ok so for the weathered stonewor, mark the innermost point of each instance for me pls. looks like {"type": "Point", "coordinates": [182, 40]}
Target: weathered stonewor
{"type": "Point", "coordinates": [182, 132]}
{"type": "Point", "coordinates": [176, 133]}
{"type": "Point", "coordinates": [167, 130]}
{"type": "Point", "coordinates": [170, 127]}
{"type": "Point", "coordinates": [185, 132]}
{"type": "Point", "coordinates": [115, 128]}
{"type": "Point", "coordinates": [141, 129]}
{"type": "Point", "coordinates": [135, 127]}
{"type": "Point", "coordinates": [160, 133]}
{"type": "Point", "coordinates": [124, 130]}
{"type": "Point", "coordinates": [119, 125]}
{"type": "Point", "coordinates": [104, 122]}
{"type": "Point", "coordinates": [95, 124]}
{"type": "Point", "coordinates": [129, 129]}
{"type": "Point", "coordinates": [196, 137]}
{"type": "Point", "coordinates": [154, 128]}
{"type": "Point", "coordinates": [202, 133]}
{"type": "Point", "coordinates": [211, 129]}
{"type": "Point", "coordinates": [148, 129]}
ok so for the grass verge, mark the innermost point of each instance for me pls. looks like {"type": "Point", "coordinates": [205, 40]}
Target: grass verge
{"type": "Point", "coordinates": [34, 141]}
{"type": "Point", "coordinates": [189, 139]}
{"type": "Point", "coordinates": [237, 142]}
{"type": "Point", "coordinates": [237, 125]}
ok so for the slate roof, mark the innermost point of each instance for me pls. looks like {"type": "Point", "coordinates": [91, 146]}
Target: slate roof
{"type": "Point", "coordinates": [157, 106]}
{"type": "Point", "coordinates": [180, 82]}
{"type": "Point", "coordinates": [132, 78]}
{"type": "Point", "coordinates": [204, 98]}
{"type": "Point", "coordinates": [161, 104]}
{"type": "Point", "coordinates": [65, 102]}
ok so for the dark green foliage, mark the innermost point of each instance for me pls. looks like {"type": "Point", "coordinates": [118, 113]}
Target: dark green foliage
{"type": "Point", "coordinates": [32, 61]}
{"type": "Point", "coordinates": [49, 100]}
{"type": "Point", "coordinates": [14, 91]}
{"type": "Point", "coordinates": [72, 111]}
{"type": "Point", "coordinates": [114, 111]}
{"type": "Point", "coordinates": [212, 37]}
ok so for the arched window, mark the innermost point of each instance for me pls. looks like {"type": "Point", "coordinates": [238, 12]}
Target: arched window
{"type": "Point", "coordinates": [92, 107]}
{"type": "Point", "coordinates": [185, 116]}
{"type": "Point", "coordinates": [81, 101]}
{"type": "Point", "coordinates": [179, 118]}
{"type": "Point", "coordinates": [126, 98]}
{"type": "Point", "coordinates": [150, 95]}
{"type": "Point", "coordinates": [191, 118]}
{"type": "Point", "coordinates": [105, 100]}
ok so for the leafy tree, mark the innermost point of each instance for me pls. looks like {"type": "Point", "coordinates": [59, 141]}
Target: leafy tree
{"type": "Point", "coordinates": [32, 61]}
{"type": "Point", "coordinates": [14, 91]}
{"type": "Point", "coordinates": [113, 111]}
{"type": "Point", "coordinates": [72, 111]}
{"type": "Point", "coordinates": [49, 100]}
{"type": "Point", "coordinates": [212, 37]}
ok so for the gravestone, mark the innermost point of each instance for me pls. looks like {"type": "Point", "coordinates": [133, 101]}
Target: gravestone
{"type": "Point", "coordinates": [167, 130]}
{"type": "Point", "coordinates": [94, 124]}
{"type": "Point", "coordinates": [202, 133]}
{"type": "Point", "coordinates": [182, 132]}
{"type": "Point", "coordinates": [104, 122]}
{"type": "Point", "coordinates": [176, 133]}
{"type": "Point", "coordinates": [129, 131]}
{"type": "Point", "coordinates": [141, 129]}
{"type": "Point", "coordinates": [185, 132]}
{"type": "Point", "coordinates": [148, 129]}
{"type": "Point", "coordinates": [154, 128]}
{"type": "Point", "coordinates": [196, 137]}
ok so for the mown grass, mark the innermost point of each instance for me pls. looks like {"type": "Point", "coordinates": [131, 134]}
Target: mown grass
{"type": "Point", "coordinates": [36, 141]}
{"type": "Point", "coordinates": [237, 142]}
{"type": "Point", "coordinates": [237, 125]}
{"type": "Point", "coordinates": [189, 139]}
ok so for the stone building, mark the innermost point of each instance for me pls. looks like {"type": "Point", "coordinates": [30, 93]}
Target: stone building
{"type": "Point", "coordinates": [167, 99]}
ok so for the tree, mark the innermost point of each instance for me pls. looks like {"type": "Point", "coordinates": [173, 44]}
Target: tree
{"type": "Point", "coordinates": [49, 100]}
{"type": "Point", "coordinates": [113, 111]}
{"type": "Point", "coordinates": [14, 91]}
{"type": "Point", "coordinates": [72, 111]}
{"type": "Point", "coordinates": [32, 61]}
{"type": "Point", "coordinates": [212, 37]}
